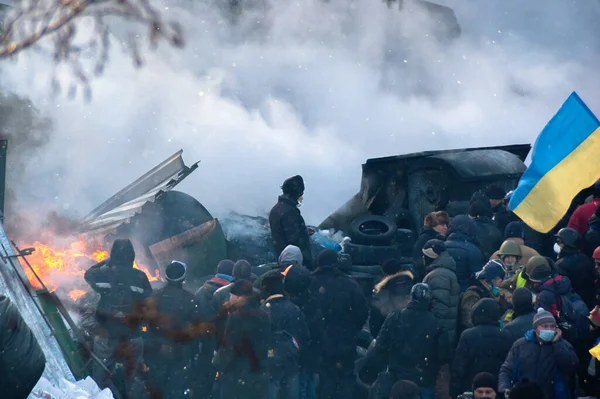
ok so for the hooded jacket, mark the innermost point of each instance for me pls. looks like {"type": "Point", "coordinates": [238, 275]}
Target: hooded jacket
{"type": "Point", "coordinates": [482, 348]}
{"type": "Point", "coordinates": [547, 364]}
{"type": "Point", "coordinates": [413, 345]}
{"type": "Point", "coordinates": [461, 247]}
{"type": "Point", "coordinates": [526, 252]}
{"type": "Point", "coordinates": [489, 237]}
{"type": "Point", "coordinates": [579, 268]}
{"type": "Point", "coordinates": [205, 294]}
{"type": "Point", "coordinates": [290, 256]}
{"type": "Point", "coordinates": [549, 292]}
{"type": "Point", "coordinates": [288, 228]}
{"type": "Point", "coordinates": [445, 292]}
{"type": "Point", "coordinates": [580, 218]}
{"type": "Point", "coordinates": [390, 294]}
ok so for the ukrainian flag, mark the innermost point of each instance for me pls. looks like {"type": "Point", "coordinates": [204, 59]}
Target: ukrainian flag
{"type": "Point", "coordinates": [565, 160]}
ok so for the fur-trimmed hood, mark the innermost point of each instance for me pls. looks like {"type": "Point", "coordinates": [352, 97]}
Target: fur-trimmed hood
{"type": "Point", "coordinates": [404, 278]}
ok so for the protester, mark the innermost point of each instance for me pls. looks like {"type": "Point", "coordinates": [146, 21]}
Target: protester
{"type": "Point", "coordinates": [487, 285]}
{"type": "Point", "coordinates": [287, 224]}
{"type": "Point", "coordinates": [522, 319]}
{"type": "Point", "coordinates": [412, 344]}
{"type": "Point", "coordinates": [241, 271]}
{"type": "Point", "coordinates": [485, 386]}
{"type": "Point", "coordinates": [441, 279]}
{"type": "Point", "coordinates": [578, 267]}
{"type": "Point", "coordinates": [405, 390]}
{"type": "Point", "coordinates": [341, 312]}
{"type": "Point", "coordinates": [510, 254]}
{"type": "Point", "coordinates": [289, 335]}
{"type": "Point", "coordinates": [543, 357]}
{"type": "Point", "coordinates": [390, 294]}
{"type": "Point", "coordinates": [502, 216]}
{"type": "Point", "coordinates": [205, 293]}
{"type": "Point", "coordinates": [515, 232]}
{"type": "Point", "coordinates": [579, 219]}
{"type": "Point", "coordinates": [482, 348]}
{"type": "Point", "coordinates": [242, 359]}
{"type": "Point", "coordinates": [435, 226]}
{"type": "Point", "coordinates": [460, 245]}
{"type": "Point", "coordinates": [121, 287]}
{"type": "Point", "coordinates": [488, 236]}
{"type": "Point", "coordinates": [169, 360]}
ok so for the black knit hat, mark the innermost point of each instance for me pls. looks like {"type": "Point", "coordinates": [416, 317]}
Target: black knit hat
{"type": "Point", "coordinates": [433, 248]}
{"type": "Point", "coordinates": [522, 300]}
{"type": "Point", "coordinates": [485, 380]}
{"type": "Point", "coordinates": [294, 186]}
{"type": "Point", "coordinates": [495, 192]}
{"type": "Point", "coordinates": [242, 270]}
{"type": "Point", "coordinates": [122, 253]}
{"type": "Point", "coordinates": [271, 283]}
{"type": "Point", "coordinates": [176, 271]}
{"type": "Point", "coordinates": [514, 230]}
{"type": "Point", "coordinates": [327, 258]}
{"type": "Point", "coordinates": [225, 267]}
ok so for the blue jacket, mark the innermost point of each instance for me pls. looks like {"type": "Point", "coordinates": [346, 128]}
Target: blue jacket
{"type": "Point", "coordinates": [550, 365]}
{"type": "Point", "coordinates": [466, 255]}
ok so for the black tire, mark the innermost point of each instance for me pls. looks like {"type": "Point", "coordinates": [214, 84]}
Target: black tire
{"type": "Point", "coordinates": [371, 270]}
{"type": "Point", "coordinates": [372, 230]}
{"type": "Point", "coordinates": [369, 254]}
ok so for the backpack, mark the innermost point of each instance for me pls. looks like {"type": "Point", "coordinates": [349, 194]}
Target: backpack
{"type": "Point", "coordinates": [573, 317]}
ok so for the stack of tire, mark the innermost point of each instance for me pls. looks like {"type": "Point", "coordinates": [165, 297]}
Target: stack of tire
{"type": "Point", "coordinates": [375, 239]}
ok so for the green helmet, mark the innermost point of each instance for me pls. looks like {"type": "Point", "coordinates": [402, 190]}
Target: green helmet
{"type": "Point", "coordinates": [510, 248]}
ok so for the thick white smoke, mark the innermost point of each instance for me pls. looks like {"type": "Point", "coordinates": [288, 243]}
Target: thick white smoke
{"type": "Point", "coordinates": [308, 87]}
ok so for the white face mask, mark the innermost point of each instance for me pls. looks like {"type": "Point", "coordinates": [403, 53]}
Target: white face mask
{"type": "Point", "coordinates": [556, 248]}
{"type": "Point", "coordinates": [300, 201]}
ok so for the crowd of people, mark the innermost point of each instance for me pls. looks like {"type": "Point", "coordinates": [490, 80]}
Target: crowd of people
{"type": "Point", "coordinates": [484, 312]}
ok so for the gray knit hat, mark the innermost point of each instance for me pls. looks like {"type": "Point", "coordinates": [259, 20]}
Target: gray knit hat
{"type": "Point", "coordinates": [420, 292]}
{"type": "Point", "coordinates": [542, 316]}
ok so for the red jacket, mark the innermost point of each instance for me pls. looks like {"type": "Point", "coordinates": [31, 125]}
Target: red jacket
{"type": "Point", "coordinates": [583, 213]}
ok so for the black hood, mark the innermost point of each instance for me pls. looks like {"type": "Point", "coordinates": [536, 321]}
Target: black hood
{"type": "Point", "coordinates": [464, 225]}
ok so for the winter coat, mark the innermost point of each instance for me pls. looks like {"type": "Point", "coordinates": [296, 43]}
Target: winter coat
{"type": "Point", "coordinates": [547, 364]}
{"type": "Point", "coordinates": [120, 288]}
{"type": "Point", "coordinates": [204, 295]}
{"type": "Point", "coordinates": [482, 348]}
{"type": "Point", "coordinates": [242, 360]}
{"type": "Point", "coordinates": [413, 345]}
{"type": "Point", "coordinates": [519, 325]}
{"type": "Point", "coordinates": [340, 313]}
{"type": "Point", "coordinates": [222, 295]}
{"type": "Point", "coordinates": [526, 252]}
{"type": "Point", "coordinates": [472, 295]}
{"type": "Point", "coordinates": [502, 217]}
{"type": "Point", "coordinates": [580, 218]}
{"type": "Point", "coordinates": [22, 360]}
{"type": "Point", "coordinates": [445, 292]}
{"type": "Point", "coordinates": [549, 292]}
{"type": "Point", "coordinates": [426, 234]}
{"type": "Point", "coordinates": [488, 236]}
{"type": "Point", "coordinates": [467, 256]}
{"type": "Point", "coordinates": [387, 298]}
{"type": "Point", "coordinates": [182, 309]}
{"type": "Point", "coordinates": [579, 268]}
{"type": "Point", "coordinates": [285, 316]}
{"type": "Point", "coordinates": [288, 228]}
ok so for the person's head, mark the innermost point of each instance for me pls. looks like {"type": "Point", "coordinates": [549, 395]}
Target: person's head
{"type": "Point", "coordinates": [537, 271]}
{"type": "Point", "coordinates": [493, 272]}
{"type": "Point", "coordinates": [327, 258]}
{"type": "Point", "coordinates": [567, 240]}
{"type": "Point", "coordinates": [240, 291]}
{"type": "Point", "coordinates": [291, 255]}
{"type": "Point", "coordinates": [596, 190]}
{"type": "Point", "coordinates": [495, 194]}
{"type": "Point", "coordinates": [486, 312]}
{"type": "Point", "coordinates": [479, 209]}
{"type": "Point", "coordinates": [294, 188]}
{"type": "Point", "coordinates": [526, 390]}
{"type": "Point", "coordinates": [438, 221]}
{"type": "Point", "coordinates": [242, 270]}
{"type": "Point", "coordinates": [432, 250]}
{"type": "Point", "coordinates": [225, 267]}
{"type": "Point", "coordinates": [510, 254]}
{"type": "Point", "coordinates": [596, 257]}
{"type": "Point", "coordinates": [296, 280]}
{"type": "Point", "coordinates": [464, 225]}
{"type": "Point", "coordinates": [175, 272]}
{"type": "Point", "coordinates": [544, 325]}
{"type": "Point", "coordinates": [421, 293]}
{"type": "Point", "coordinates": [271, 283]}
{"type": "Point", "coordinates": [522, 300]}
{"type": "Point", "coordinates": [122, 253]}
{"type": "Point", "coordinates": [485, 386]}
{"type": "Point", "coordinates": [514, 230]}
{"type": "Point", "coordinates": [405, 389]}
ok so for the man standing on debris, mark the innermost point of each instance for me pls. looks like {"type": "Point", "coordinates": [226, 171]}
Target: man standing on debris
{"type": "Point", "coordinates": [287, 224]}
{"type": "Point", "coordinates": [120, 287]}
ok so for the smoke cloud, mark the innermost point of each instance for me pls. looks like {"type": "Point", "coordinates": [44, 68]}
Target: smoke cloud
{"type": "Point", "coordinates": [306, 87]}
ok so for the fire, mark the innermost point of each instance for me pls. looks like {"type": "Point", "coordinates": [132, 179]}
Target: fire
{"type": "Point", "coordinates": [66, 265]}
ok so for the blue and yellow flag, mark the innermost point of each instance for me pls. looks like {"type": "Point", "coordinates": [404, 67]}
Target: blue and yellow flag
{"type": "Point", "coordinates": [565, 160]}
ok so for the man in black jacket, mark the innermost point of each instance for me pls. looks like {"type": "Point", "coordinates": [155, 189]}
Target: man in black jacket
{"type": "Point", "coordinates": [121, 287]}
{"type": "Point", "coordinates": [489, 237]}
{"type": "Point", "coordinates": [289, 336]}
{"type": "Point", "coordinates": [168, 360]}
{"type": "Point", "coordinates": [482, 348]}
{"type": "Point", "coordinates": [412, 344]}
{"type": "Point", "coordinates": [341, 312]}
{"type": "Point", "coordinates": [287, 224]}
{"type": "Point", "coordinates": [522, 321]}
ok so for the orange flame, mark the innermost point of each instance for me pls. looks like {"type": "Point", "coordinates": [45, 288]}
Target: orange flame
{"type": "Point", "coordinates": [56, 266]}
